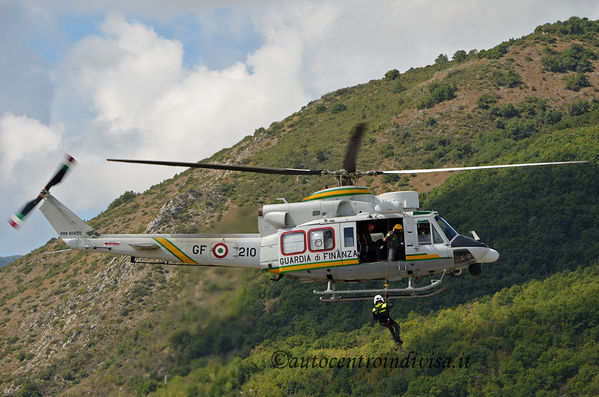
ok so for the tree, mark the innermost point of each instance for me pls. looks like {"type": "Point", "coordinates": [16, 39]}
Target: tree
{"type": "Point", "coordinates": [459, 56]}
{"type": "Point", "coordinates": [442, 58]}
{"type": "Point", "coordinates": [392, 74]}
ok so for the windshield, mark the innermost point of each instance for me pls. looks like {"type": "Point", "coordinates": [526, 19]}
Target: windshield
{"type": "Point", "coordinates": [446, 227]}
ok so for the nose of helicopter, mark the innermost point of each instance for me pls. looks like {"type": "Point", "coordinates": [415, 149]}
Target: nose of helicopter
{"type": "Point", "coordinates": [487, 255]}
{"type": "Point", "coordinates": [480, 251]}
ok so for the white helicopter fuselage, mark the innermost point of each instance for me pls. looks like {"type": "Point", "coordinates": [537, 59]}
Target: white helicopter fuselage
{"type": "Point", "coordinates": [335, 234]}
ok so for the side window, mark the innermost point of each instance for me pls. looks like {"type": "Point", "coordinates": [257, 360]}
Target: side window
{"type": "Point", "coordinates": [437, 239]}
{"type": "Point", "coordinates": [293, 243]}
{"type": "Point", "coordinates": [348, 237]}
{"type": "Point", "coordinates": [321, 239]}
{"type": "Point", "coordinates": [424, 232]}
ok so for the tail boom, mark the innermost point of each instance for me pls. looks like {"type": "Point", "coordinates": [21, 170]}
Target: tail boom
{"type": "Point", "coordinates": [229, 250]}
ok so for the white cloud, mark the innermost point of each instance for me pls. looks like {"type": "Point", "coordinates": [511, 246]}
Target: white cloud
{"type": "Point", "coordinates": [22, 139]}
{"type": "Point", "coordinates": [140, 92]}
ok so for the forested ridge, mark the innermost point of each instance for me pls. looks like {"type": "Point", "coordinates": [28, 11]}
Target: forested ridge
{"type": "Point", "coordinates": [541, 337]}
{"type": "Point", "coordinates": [75, 323]}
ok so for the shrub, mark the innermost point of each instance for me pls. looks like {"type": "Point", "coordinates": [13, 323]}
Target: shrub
{"type": "Point", "coordinates": [578, 107]}
{"type": "Point", "coordinates": [439, 92]}
{"type": "Point", "coordinates": [552, 116]}
{"type": "Point", "coordinates": [509, 79]}
{"type": "Point", "coordinates": [320, 108]}
{"type": "Point", "coordinates": [387, 150]}
{"type": "Point", "coordinates": [518, 129]}
{"type": "Point", "coordinates": [322, 155]}
{"type": "Point", "coordinates": [338, 108]}
{"type": "Point", "coordinates": [398, 87]}
{"type": "Point", "coordinates": [392, 74]}
{"type": "Point", "coordinates": [576, 81]}
{"type": "Point", "coordinates": [533, 105]}
{"type": "Point", "coordinates": [29, 389]}
{"type": "Point", "coordinates": [486, 100]}
{"type": "Point", "coordinates": [497, 51]}
{"type": "Point", "coordinates": [509, 111]}
{"type": "Point", "coordinates": [577, 58]}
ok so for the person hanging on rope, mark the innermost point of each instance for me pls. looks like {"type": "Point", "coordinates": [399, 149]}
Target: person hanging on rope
{"type": "Point", "coordinates": [380, 312]}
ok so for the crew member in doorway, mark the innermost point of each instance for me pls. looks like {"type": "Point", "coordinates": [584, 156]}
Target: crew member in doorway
{"type": "Point", "coordinates": [395, 243]}
{"type": "Point", "coordinates": [368, 248]}
{"type": "Point", "coordinates": [380, 312]}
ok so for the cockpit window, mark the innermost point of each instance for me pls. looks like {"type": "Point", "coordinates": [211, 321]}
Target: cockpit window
{"type": "Point", "coordinates": [447, 229]}
{"type": "Point", "coordinates": [437, 239]}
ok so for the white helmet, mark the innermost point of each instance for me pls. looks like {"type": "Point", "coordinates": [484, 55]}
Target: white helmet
{"type": "Point", "coordinates": [378, 299]}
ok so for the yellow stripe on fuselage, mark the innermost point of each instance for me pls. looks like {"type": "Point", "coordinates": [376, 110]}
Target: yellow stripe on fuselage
{"type": "Point", "coordinates": [336, 192]}
{"type": "Point", "coordinates": [422, 256]}
{"type": "Point", "coordinates": [309, 266]}
{"type": "Point", "coordinates": [170, 247]}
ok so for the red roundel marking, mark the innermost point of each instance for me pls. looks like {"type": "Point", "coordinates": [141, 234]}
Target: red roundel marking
{"type": "Point", "coordinates": [220, 250]}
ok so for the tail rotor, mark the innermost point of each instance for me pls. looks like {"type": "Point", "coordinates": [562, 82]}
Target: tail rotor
{"type": "Point", "coordinates": [17, 219]}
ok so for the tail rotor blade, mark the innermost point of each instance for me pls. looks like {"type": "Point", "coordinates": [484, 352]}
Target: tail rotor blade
{"type": "Point", "coordinates": [67, 163]}
{"type": "Point", "coordinates": [349, 162]}
{"type": "Point", "coordinates": [19, 217]}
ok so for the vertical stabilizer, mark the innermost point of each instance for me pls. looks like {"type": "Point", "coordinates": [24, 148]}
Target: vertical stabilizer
{"type": "Point", "coordinates": [63, 220]}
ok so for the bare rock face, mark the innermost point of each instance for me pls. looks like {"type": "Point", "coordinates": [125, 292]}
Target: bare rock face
{"type": "Point", "coordinates": [170, 214]}
{"type": "Point", "coordinates": [186, 211]}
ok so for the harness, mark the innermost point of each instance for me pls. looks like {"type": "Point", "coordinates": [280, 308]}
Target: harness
{"type": "Point", "coordinates": [381, 311]}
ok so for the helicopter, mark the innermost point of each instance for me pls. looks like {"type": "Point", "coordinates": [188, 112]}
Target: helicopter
{"type": "Point", "coordinates": [337, 234]}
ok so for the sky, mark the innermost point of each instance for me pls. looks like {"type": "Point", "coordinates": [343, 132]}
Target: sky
{"type": "Point", "coordinates": [182, 79]}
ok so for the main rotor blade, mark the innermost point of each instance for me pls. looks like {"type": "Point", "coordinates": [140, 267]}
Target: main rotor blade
{"type": "Point", "coordinates": [244, 168]}
{"type": "Point", "coordinates": [478, 167]}
{"type": "Point", "coordinates": [349, 162]}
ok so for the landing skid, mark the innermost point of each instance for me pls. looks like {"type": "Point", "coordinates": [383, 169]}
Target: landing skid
{"type": "Point", "coordinates": [332, 295]}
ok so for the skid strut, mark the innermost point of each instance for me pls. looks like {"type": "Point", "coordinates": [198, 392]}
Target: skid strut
{"type": "Point", "coordinates": [331, 294]}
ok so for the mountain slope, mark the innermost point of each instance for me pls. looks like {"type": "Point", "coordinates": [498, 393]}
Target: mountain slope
{"type": "Point", "coordinates": [540, 337]}
{"type": "Point", "coordinates": [75, 322]}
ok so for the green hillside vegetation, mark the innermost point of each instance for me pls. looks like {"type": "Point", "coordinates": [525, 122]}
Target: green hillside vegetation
{"type": "Point", "coordinates": [75, 323]}
{"type": "Point", "coordinates": [538, 338]}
